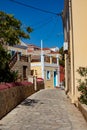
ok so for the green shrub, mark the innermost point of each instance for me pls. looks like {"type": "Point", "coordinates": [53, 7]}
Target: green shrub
{"type": "Point", "coordinates": [82, 84]}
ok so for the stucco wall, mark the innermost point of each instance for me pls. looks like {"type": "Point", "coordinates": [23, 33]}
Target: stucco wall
{"type": "Point", "coordinates": [77, 44]}
{"type": "Point", "coordinates": [37, 66]}
{"type": "Point", "coordinates": [80, 31]}
{"type": "Point", "coordinates": [79, 17]}
{"type": "Point", "coordinates": [49, 83]}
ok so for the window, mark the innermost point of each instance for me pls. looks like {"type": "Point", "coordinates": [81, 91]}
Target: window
{"type": "Point", "coordinates": [48, 75]}
{"type": "Point", "coordinates": [13, 53]}
{"type": "Point", "coordinates": [32, 72]}
{"type": "Point", "coordinates": [24, 72]}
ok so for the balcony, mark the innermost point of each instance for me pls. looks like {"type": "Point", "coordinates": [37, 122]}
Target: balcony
{"type": "Point", "coordinates": [18, 57]}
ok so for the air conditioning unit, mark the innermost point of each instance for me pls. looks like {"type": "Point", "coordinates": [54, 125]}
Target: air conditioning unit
{"type": "Point", "coordinates": [65, 46]}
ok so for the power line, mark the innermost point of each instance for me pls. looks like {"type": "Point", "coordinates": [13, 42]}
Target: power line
{"type": "Point", "coordinates": [40, 24]}
{"type": "Point", "coordinates": [43, 24]}
{"type": "Point", "coordinates": [52, 31]}
{"type": "Point", "coordinates": [35, 8]}
{"type": "Point", "coordinates": [42, 21]}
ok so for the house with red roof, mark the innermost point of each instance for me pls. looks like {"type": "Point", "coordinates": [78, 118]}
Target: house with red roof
{"type": "Point", "coordinates": [45, 65]}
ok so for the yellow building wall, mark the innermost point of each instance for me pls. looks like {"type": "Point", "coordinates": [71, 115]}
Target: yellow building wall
{"type": "Point", "coordinates": [38, 68]}
{"type": "Point", "coordinates": [80, 31]}
{"type": "Point", "coordinates": [49, 83]}
{"type": "Point", "coordinates": [79, 36]}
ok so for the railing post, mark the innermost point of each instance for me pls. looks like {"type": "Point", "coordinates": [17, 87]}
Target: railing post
{"type": "Point", "coordinates": [18, 56]}
{"type": "Point", "coordinates": [51, 59]}
{"type": "Point", "coordinates": [29, 58]}
{"type": "Point", "coordinates": [35, 83]}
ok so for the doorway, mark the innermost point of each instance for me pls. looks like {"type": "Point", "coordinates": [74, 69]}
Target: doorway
{"type": "Point", "coordinates": [24, 72]}
{"type": "Point", "coordinates": [55, 78]}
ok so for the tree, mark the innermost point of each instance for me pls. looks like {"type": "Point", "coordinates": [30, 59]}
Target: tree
{"type": "Point", "coordinates": [62, 60]}
{"type": "Point", "coordinates": [11, 32]}
{"type": "Point", "coordinates": [4, 67]}
{"type": "Point", "coordinates": [11, 29]}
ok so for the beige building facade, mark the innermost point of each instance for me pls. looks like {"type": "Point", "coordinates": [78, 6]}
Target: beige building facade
{"type": "Point", "coordinates": [46, 66]}
{"type": "Point", "coordinates": [75, 45]}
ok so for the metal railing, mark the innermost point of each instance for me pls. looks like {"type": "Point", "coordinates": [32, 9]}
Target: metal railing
{"type": "Point", "coordinates": [17, 57]}
{"type": "Point", "coordinates": [13, 60]}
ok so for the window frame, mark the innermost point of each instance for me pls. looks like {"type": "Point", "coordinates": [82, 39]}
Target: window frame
{"type": "Point", "coordinates": [47, 75]}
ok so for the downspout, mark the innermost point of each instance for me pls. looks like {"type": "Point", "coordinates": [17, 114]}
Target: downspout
{"type": "Point", "coordinates": [65, 40]}
{"type": "Point", "coordinates": [73, 92]}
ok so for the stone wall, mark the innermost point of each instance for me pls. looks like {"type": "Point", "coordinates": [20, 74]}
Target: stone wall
{"type": "Point", "coordinates": [18, 66]}
{"type": "Point", "coordinates": [11, 97]}
{"type": "Point", "coordinates": [40, 85]}
{"type": "Point", "coordinates": [83, 109]}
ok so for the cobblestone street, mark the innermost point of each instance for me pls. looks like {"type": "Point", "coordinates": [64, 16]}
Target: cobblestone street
{"type": "Point", "coordinates": [47, 109]}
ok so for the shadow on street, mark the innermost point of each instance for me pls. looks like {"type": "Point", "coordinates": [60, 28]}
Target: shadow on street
{"type": "Point", "coordinates": [29, 102]}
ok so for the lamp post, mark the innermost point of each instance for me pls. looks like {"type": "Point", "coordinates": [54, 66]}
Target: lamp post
{"type": "Point", "coordinates": [42, 59]}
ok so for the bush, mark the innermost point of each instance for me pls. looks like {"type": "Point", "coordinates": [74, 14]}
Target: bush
{"type": "Point", "coordinates": [82, 87]}
{"type": "Point", "coordinates": [6, 75]}
{"type": "Point", "coordinates": [14, 84]}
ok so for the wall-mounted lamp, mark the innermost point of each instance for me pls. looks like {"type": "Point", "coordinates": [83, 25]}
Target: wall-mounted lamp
{"type": "Point", "coordinates": [65, 47]}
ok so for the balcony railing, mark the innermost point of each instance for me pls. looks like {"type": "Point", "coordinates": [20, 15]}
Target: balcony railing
{"type": "Point", "coordinates": [13, 60]}
{"type": "Point", "coordinates": [17, 57]}
{"type": "Point", "coordinates": [24, 58]}
{"type": "Point", "coordinates": [47, 59]}
{"type": "Point", "coordinates": [54, 60]}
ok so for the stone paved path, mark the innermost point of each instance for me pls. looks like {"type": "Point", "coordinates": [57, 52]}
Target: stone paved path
{"type": "Point", "coordinates": [48, 109]}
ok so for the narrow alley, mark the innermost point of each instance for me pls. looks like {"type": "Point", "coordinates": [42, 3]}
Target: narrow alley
{"type": "Point", "coordinates": [47, 109]}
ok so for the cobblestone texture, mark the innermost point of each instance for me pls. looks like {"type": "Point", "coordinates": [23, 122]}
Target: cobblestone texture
{"type": "Point", "coordinates": [47, 109]}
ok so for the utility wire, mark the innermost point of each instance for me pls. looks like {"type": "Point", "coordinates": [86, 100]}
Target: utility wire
{"type": "Point", "coordinates": [41, 21]}
{"type": "Point", "coordinates": [40, 24]}
{"type": "Point", "coordinates": [43, 24]}
{"type": "Point", "coordinates": [35, 8]}
{"type": "Point", "coordinates": [52, 32]}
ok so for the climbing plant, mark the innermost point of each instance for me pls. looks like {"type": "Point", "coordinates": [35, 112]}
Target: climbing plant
{"type": "Point", "coordinates": [82, 84]}
{"type": "Point", "coordinates": [61, 60]}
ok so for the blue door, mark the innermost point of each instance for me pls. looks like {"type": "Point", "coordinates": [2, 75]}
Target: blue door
{"type": "Point", "coordinates": [55, 78]}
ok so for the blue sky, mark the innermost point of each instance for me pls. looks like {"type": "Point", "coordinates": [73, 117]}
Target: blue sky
{"type": "Point", "coordinates": [46, 26]}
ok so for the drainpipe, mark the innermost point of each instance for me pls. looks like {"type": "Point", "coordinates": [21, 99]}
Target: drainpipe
{"type": "Point", "coordinates": [66, 65]}
{"type": "Point", "coordinates": [66, 55]}
{"type": "Point", "coordinates": [73, 77]}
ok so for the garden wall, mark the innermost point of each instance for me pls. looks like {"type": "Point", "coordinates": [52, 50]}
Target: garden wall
{"type": "Point", "coordinates": [11, 95]}
{"type": "Point", "coordinates": [83, 109]}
